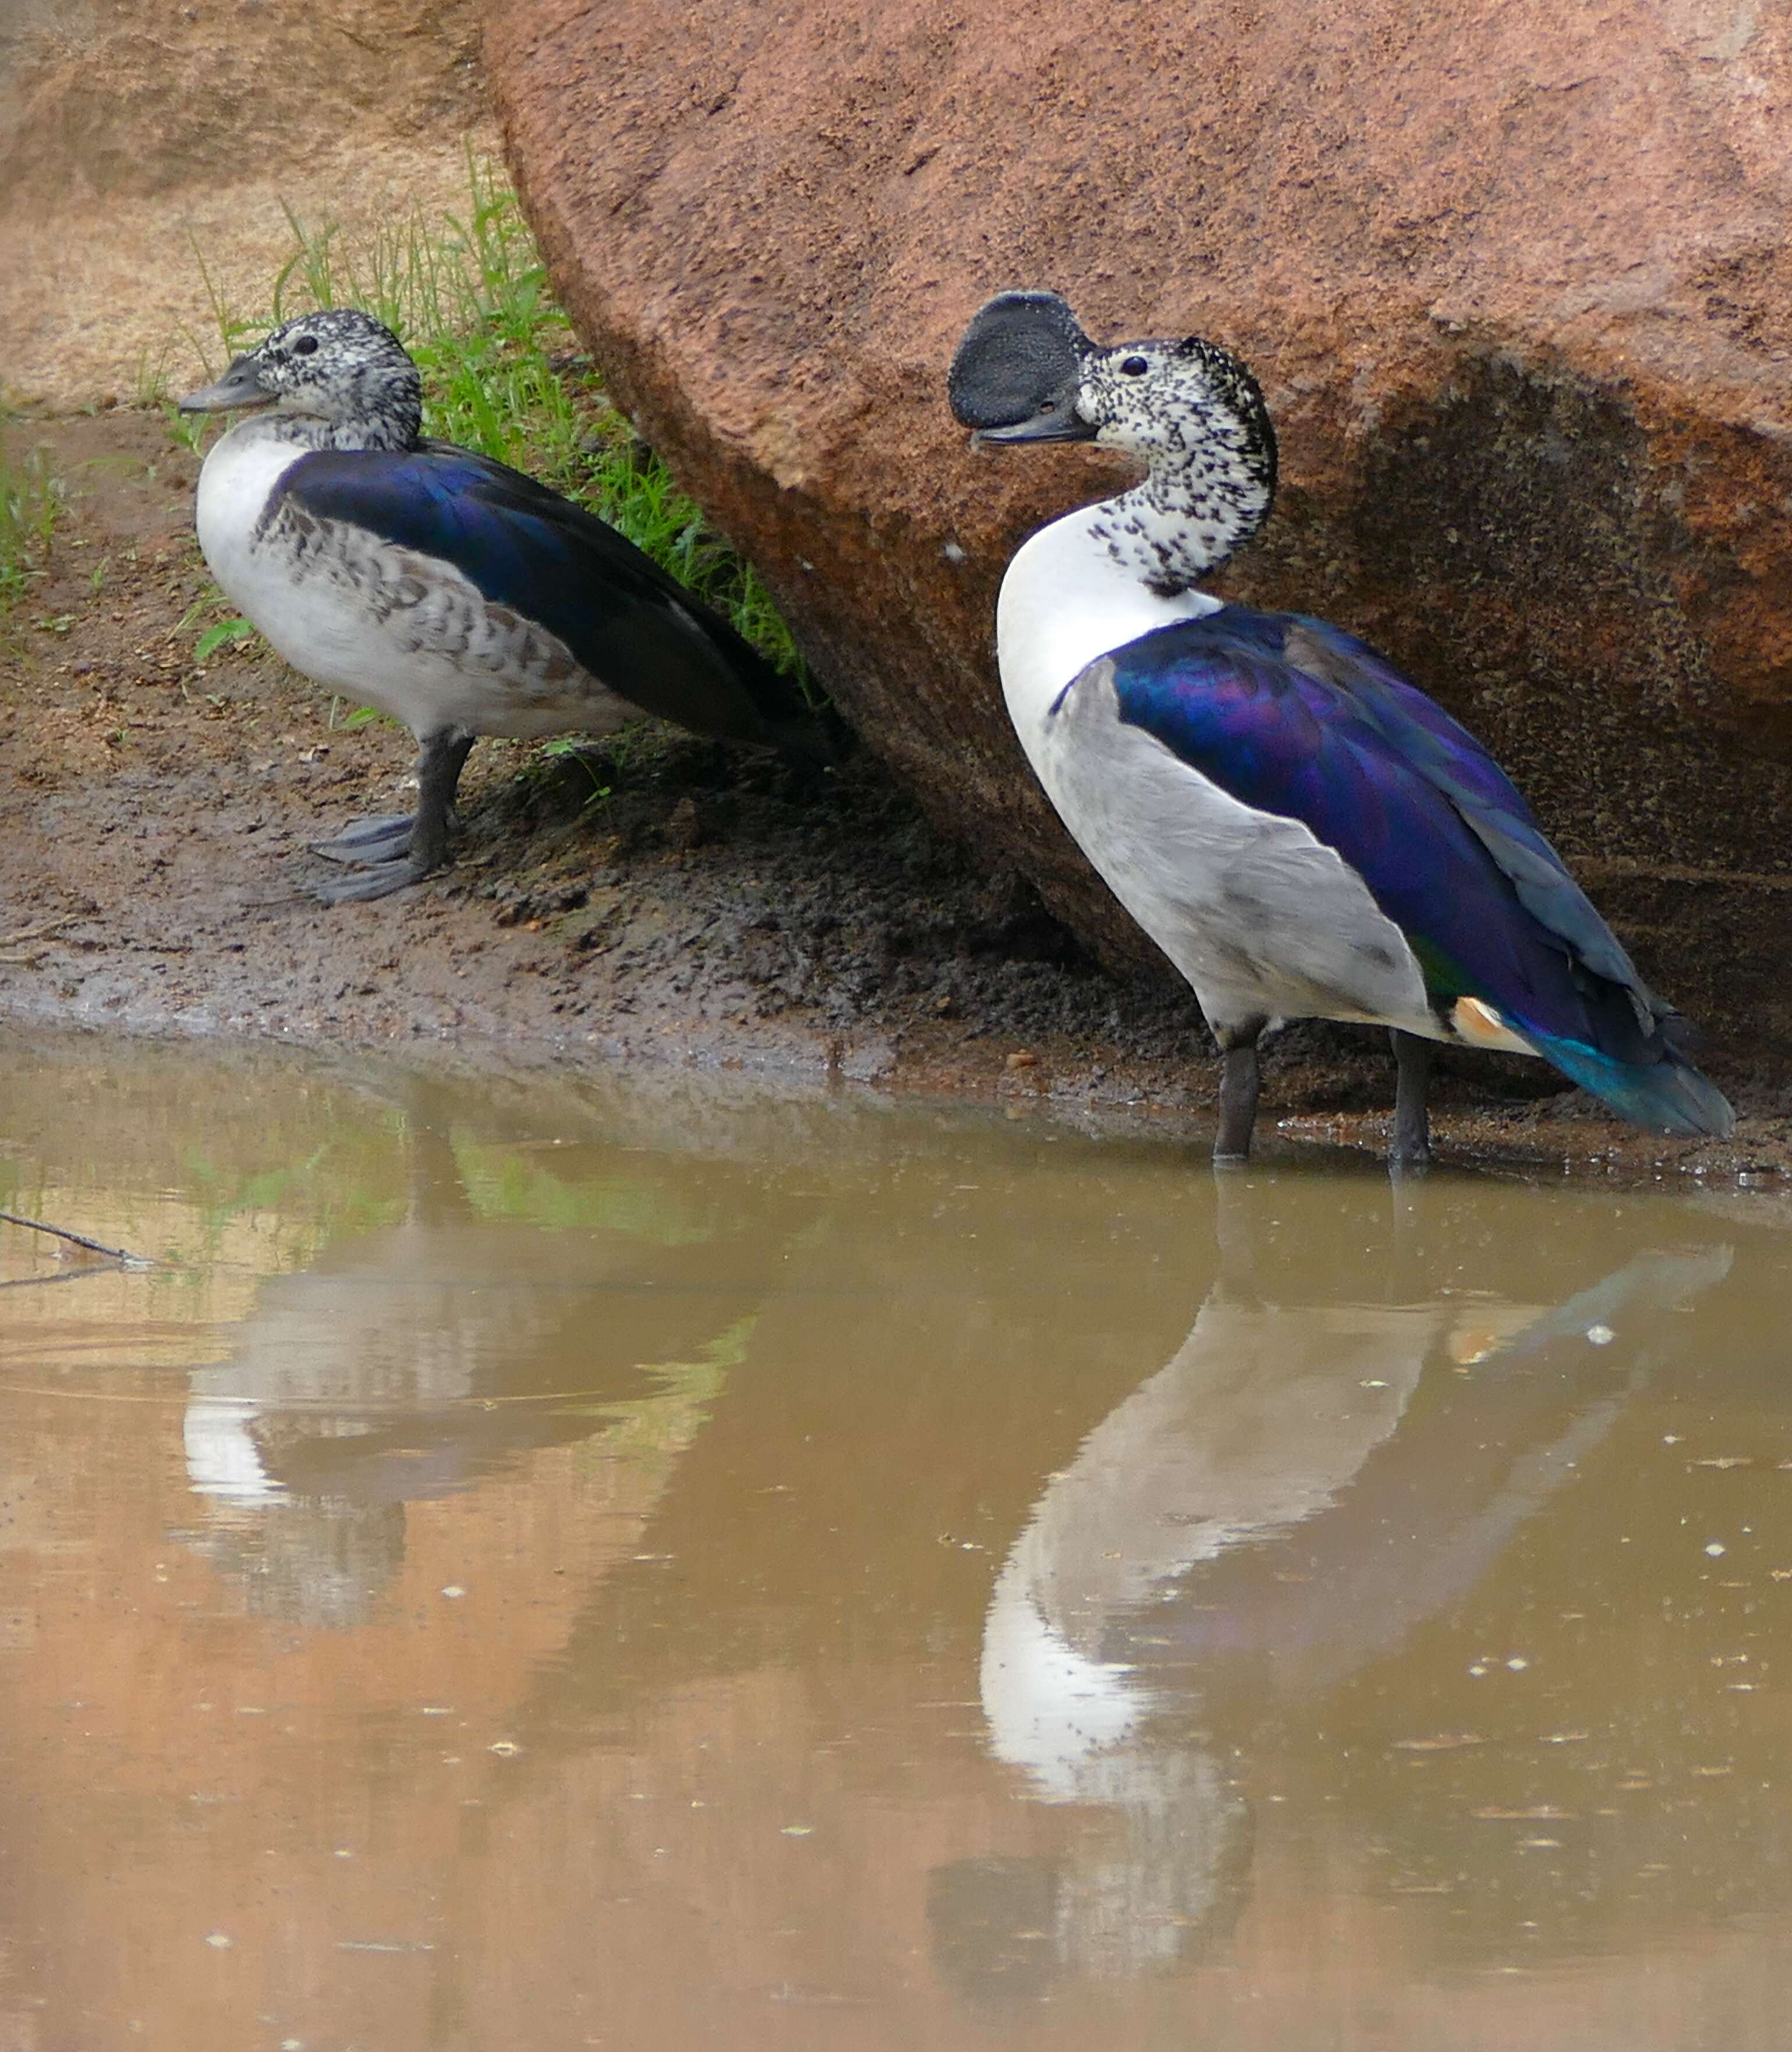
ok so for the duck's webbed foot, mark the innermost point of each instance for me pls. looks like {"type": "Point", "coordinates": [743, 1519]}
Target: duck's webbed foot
{"type": "Point", "coordinates": [1411, 1147]}
{"type": "Point", "coordinates": [364, 841]}
{"type": "Point", "coordinates": [1238, 1089]}
{"type": "Point", "coordinates": [398, 849]}
{"type": "Point", "coordinates": [378, 880]}
{"type": "Point", "coordinates": [378, 852]}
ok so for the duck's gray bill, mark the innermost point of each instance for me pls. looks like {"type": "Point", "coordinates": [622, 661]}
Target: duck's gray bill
{"type": "Point", "coordinates": [241, 385]}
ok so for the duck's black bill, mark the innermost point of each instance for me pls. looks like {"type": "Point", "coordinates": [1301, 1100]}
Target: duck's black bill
{"type": "Point", "coordinates": [1058, 422]}
{"type": "Point", "coordinates": [1015, 373]}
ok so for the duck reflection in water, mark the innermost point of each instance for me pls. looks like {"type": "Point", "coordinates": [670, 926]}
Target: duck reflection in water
{"type": "Point", "coordinates": [410, 1362]}
{"type": "Point", "coordinates": [1332, 1458]}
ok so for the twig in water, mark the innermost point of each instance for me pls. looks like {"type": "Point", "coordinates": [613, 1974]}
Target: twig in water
{"type": "Point", "coordinates": [66, 1275]}
{"type": "Point", "coordinates": [80, 1239]}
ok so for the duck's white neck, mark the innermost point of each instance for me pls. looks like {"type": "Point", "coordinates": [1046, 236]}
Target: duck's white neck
{"type": "Point", "coordinates": [1103, 576]}
{"type": "Point", "coordinates": [1107, 574]}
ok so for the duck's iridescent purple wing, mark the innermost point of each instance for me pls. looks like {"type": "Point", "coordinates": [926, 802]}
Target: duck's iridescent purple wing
{"type": "Point", "coordinates": [1294, 717]}
{"type": "Point", "coordinates": [627, 621]}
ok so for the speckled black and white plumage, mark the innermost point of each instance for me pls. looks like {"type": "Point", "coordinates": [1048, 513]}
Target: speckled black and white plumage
{"type": "Point", "coordinates": [1303, 832]}
{"type": "Point", "coordinates": [1188, 409]}
{"type": "Point", "coordinates": [334, 379]}
{"type": "Point", "coordinates": [1195, 414]}
{"type": "Point", "coordinates": [445, 588]}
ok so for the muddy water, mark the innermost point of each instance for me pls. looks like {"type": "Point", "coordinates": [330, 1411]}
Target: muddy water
{"type": "Point", "coordinates": [544, 1563]}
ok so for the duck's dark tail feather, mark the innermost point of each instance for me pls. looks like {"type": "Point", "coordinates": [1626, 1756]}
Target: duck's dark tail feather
{"type": "Point", "coordinates": [777, 712]}
{"type": "Point", "coordinates": [1667, 1093]}
{"type": "Point", "coordinates": [816, 738]}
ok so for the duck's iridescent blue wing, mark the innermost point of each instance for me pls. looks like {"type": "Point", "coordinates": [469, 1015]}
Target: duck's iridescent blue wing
{"type": "Point", "coordinates": [627, 621]}
{"type": "Point", "coordinates": [1292, 717]}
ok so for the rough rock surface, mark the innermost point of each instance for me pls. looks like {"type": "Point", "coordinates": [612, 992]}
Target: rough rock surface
{"type": "Point", "coordinates": [1516, 278]}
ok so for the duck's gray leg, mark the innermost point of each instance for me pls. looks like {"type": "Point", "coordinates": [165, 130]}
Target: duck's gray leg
{"type": "Point", "coordinates": [390, 852]}
{"type": "Point", "coordinates": [439, 764]}
{"type": "Point", "coordinates": [1412, 1123]}
{"type": "Point", "coordinates": [1238, 1089]}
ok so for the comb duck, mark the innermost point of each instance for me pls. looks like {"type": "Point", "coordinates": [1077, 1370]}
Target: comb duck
{"type": "Point", "coordinates": [446, 589]}
{"type": "Point", "coordinates": [1302, 831]}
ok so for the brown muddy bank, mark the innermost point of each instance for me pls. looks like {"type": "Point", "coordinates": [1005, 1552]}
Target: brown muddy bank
{"type": "Point", "coordinates": [151, 156]}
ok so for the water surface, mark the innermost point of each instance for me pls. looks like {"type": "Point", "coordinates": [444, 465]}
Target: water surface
{"type": "Point", "coordinates": [647, 1563]}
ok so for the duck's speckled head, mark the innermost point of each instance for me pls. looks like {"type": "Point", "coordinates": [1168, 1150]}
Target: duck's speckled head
{"type": "Point", "coordinates": [1175, 399]}
{"type": "Point", "coordinates": [1024, 371]}
{"type": "Point", "coordinates": [340, 371]}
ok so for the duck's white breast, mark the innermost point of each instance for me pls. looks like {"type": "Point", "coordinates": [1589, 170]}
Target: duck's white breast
{"type": "Point", "coordinates": [408, 633]}
{"type": "Point", "coordinates": [1263, 920]}
{"type": "Point", "coordinates": [1065, 601]}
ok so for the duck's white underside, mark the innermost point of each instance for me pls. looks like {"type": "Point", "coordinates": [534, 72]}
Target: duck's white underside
{"type": "Point", "coordinates": [408, 634]}
{"type": "Point", "coordinates": [1263, 921]}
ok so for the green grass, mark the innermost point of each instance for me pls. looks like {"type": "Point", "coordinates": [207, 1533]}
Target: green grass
{"type": "Point", "coordinates": [31, 503]}
{"type": "Point", "coordinates": [502, 374]}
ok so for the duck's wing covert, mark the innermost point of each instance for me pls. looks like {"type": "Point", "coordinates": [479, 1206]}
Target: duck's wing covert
{"type": "Point", "coordinates": [1293, 717]}
{"type": "Point", "coordinates": [627, 621]}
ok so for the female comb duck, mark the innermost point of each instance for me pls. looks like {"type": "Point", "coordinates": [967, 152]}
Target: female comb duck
{"type": "Point", "coordinates": [446, 589]}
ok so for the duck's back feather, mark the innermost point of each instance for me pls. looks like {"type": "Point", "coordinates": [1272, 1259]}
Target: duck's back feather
{"type": "Point", "coordinates": [1295, 717]}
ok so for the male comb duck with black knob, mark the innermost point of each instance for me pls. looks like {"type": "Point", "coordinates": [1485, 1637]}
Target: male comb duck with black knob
{"type": "Point", "coordinates": [1303, 831]}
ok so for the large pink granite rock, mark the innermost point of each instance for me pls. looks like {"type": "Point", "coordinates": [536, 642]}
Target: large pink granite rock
{"type": "Point", "coordinates": [1517, 279]}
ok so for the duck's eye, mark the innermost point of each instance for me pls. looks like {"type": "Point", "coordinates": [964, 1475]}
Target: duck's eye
{"type": "Point", "coordinates": [1134, 366]}
{"type": "Point", "coordinates": [305, 345]}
